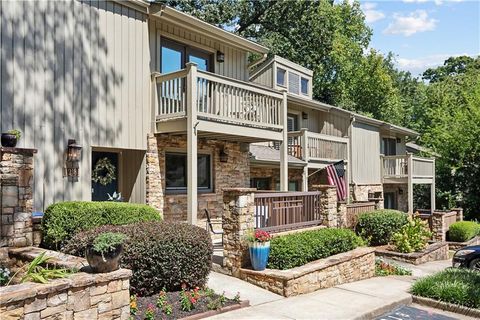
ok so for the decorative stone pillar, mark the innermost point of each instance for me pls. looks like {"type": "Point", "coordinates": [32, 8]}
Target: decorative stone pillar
{"type": "Point", "coordinates": [328, 204]}
{"type": "Point", "coordinates": [459, 212]}
{"type": "Point", "coordinates": [238, 218]}
{"type": "Point", "coordinates": [154, 188]}
{"type": "Point", "coordinates": [342, 215]}
{"type": "Point", "coordinates": [16, 201]}
{"type": "Point", "coordinates": [441, 221]}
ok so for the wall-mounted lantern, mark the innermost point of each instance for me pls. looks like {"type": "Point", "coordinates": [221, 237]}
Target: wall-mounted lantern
{"type": "Point", "coordinates": [220, 57]}
{"type": "Point", "coordinates": [73, 151]}
{"type": "Point", "coordinates": [223, 156]}
{"type": "Point", "coordinates": [304, 116]}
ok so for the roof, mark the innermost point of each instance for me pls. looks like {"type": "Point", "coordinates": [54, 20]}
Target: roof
{"type": "Point", "coordinates": [415, 148]}
{"type": "Point", "coordinates": [288, 63]}
{"type": "Point", "coordinates": [268, 154]}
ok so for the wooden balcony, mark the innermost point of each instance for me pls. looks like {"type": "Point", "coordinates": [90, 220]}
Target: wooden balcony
{"type": "Point", "coordinates": [315, 147]}
{"type": "Point", "coordinates": [405, 168]}
{"type": "Point", "coordinates": [224, 108]}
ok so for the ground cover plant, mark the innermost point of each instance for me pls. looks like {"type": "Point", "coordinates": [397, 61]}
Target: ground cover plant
{"type": "Point", "coordinates": [462, 231]}
{"type": "Point", "coordinates": [458, 286]}
{"type": "Point", "coordinates": [384, 268]}
{"type": "Point", "coordinates": [297, 249]}
{"type": "Point", "coordinates": [160, 254]}
{"type": "Point", "coordinates": [377, 227]}
{"type": "Point", "coordinates": [412, 237]}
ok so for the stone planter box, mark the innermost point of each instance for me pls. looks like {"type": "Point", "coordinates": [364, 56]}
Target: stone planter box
{"type": "Point", "coordinates": [80, 296]}
{"type": "Point", "coordinates": [435, 251]}
{"type": "Point", "coordinates": [452, 245]}
{"type": "Point", "coordinates": [345, 267]}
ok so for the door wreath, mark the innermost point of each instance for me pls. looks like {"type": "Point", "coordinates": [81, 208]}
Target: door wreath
{"type": "Point", "coordinates": [104, 172]}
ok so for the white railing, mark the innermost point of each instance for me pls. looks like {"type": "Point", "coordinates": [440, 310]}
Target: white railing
{"type": "Point", "coordinates": [398, 166]}
{"type": "Point", "coordinates": [217, 98]}
{"type": "Point", "coordinates": [395, 166]}
{"type": "Point", "coordinates": [315, 146]}
{"type": "Point", "coordinates": [423, 167]}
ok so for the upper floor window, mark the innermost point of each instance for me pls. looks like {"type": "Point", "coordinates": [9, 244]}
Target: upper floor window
{"type": "Point", "coordinates": [304, 86]}
{"type": "Point", "coordinates": [281, 73]}
{"type": "Point", "coordinates": [293, 83]}
{"type": "Point", "coordinates": [174, 56]}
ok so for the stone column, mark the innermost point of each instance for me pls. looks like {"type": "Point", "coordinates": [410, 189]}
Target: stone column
{"type": "Point", "coordinates": [16, 202]}
{"type": "Point", "coordinates": [154, 188]}
{"type": "Point", "coordinates": [342, 215]}
{"type": "Point", "coordinates": [328, 204]}
{"type": "Point", "coordinates": [459, 212]}
{"type": "Point", "coordinates": [238, 218]}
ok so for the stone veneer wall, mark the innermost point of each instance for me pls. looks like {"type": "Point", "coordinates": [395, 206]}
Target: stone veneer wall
{"type": "Point", "coordinates": [274, 175]}
{"type": "Point", "coordinates": [440, 222]}
{"type": "Point", "coordinates": [434, 252]}
{"type": "Point", "coordinates": [360, 192]}
{"type": "Point", "coordinates": [16, 201]}
{"type": "Point", "coordinates": [232, 174]}
{"type": "Point", "coordinates": [79, 296]}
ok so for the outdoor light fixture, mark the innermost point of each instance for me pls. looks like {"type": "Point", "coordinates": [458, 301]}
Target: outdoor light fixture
{"type": "Point", "coordinates": [223, 156]}
{"type": "Point", "coordinates": [220, 57]}
{"type": "Point", "coordinates": [304, 116]}
{"type": "Point", "coordinates": [73, 151]}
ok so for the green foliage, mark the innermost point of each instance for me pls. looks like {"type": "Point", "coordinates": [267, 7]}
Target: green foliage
{"type": "Point", "coordinates": [16, 133]}
{"type": "Point", "coordinates": [37, 273]}
{"type": "Point", "coordinates": [383, 268]}
{"type": "Point", "coordinates": [160, 254]}
{"type": "Point", "coordinates": [459, 286]}
{"type": "Point", "coordinates": [63, 219]}
{"type": "Point", "coordinates": [462, 231]}
{"type": "Point", "coordinates": [377, 227]}
{"type": "Point", "coordinates": [4, 275]}
{"type": "Point", "coordinates": [412, 237]}
{"type": "Point", "coordinates": [300, 248]}
{"type": "Point", "coordinates": [107, 242]}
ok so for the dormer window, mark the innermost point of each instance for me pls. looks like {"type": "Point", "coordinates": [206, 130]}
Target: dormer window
{"type": "Point", "coordinates": [281, 73]}
{"type": "Point", "coordinates": [304, 86]}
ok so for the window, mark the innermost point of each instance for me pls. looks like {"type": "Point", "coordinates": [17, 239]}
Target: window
{"type": "Point", "coordinates": [304, 86]}
{"type": "Point", "coordinates": [260, 183]}
{"type": "Point", "coordinates": [281, 77]}
{"type": "Point", "coordinates": [175, 55]}
{"type": "Point", "coordinates": [389, 146]}
{"type": "Point", "coordinates": [176, 172]}
{"type": "Point", "coordinates": [389, 200]}
{"type": "Point", "coordinates": [293, 83]}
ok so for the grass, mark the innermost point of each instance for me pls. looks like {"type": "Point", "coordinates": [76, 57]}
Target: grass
{"type": "Point", "coordinates": [457, 286]}
{"type": "Point", "coordinates": [383, 268]}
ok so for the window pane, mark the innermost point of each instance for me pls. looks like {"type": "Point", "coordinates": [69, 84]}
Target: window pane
{"type": "Point", "coordinates": [281, 77]}
{"type": "Point", "coordinates": [304, 86]}
{"type": "Point", "coordinates": [293, 82]}
{"type": "Point", "coordinates": [176, 171]}
{"type": "Point", "coordinates": [203, 172]}
{"type": "Point", "coordinates": [202, 63]}
{"type": "Point", "coordinates": [171, 60]}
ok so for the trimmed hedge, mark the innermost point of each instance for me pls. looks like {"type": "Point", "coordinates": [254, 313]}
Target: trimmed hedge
{"type": "Point", "coordinates": [297, 249]}
{"type": "Point", "coordinates": [377, 227]}
{"type": "Point", "coordinates": [160, 254]}
{"type": "Point", "coordinates": [63, 219]}
{"type": "Point", "coordinates": [462, 231]}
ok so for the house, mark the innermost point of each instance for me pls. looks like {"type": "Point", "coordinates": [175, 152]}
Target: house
{"type": "Point", "coordinates": [168, 112]}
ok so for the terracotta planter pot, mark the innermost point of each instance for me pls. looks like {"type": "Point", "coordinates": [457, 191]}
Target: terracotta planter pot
{"type": "Point", "coordinates": [107, 262]}
{"type": "Point", "coordinates": [9, 140]}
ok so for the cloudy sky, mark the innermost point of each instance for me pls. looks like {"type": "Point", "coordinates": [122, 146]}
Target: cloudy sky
{"type": "Point", "coordinates": [423, 33]}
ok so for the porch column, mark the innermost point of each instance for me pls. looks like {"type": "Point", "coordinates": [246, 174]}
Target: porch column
{"type": "Point", "coordinates": [191, 111]}
{"type": "Point", "coordinates": [432, 189]}
{"type": "Point", "coordinates": [410, 182]}
{"type": "Point", "coordinates": [305, 179]}
{"type": "Point", "coordinates": [305, 157]}
{"type": "Point", "coordinates": [284, 146]}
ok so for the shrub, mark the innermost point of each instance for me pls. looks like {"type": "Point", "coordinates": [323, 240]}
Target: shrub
{"type": "Point", "coordinates": [384, 268]}
{"type": "Point", "coordinates": [412, 237]}
{"type": "Point", "coordinates": [63, 219]}
{"type": "Point", "coordinates": [297, 249]}
{"type": "Point", "coordinates": [160, 254]}
{"type": "Point", "coordinates": [377, 227]}
{"type": "Point", "coordinates": [459, 286]}
{"type": "Point", "coordinates": [463, 231]}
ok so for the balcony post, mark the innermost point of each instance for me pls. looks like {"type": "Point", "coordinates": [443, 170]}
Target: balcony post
{"type": "Point", "coordinates": [191, 111]}
{"type": "Point", "coordinates": [432, 189]}
{"type": "Point", "coordinates": [410, 182]}
{"type": "Point", "coordinates": [284, 146]}
{"type": "Point", "coordinates": [154, 101]}
{"type": "Point", "coordinates": [305, 157]}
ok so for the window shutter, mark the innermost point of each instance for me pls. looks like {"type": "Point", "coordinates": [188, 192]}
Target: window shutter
{"type": "Point", "coordinates": [293, 83]}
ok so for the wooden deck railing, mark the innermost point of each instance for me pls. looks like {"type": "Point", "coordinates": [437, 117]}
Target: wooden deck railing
{"type": "Point", "coordinates": [308, 145]}
{"type": "Point", "coordinates": [280, 211]}
{"type": "Point", "coordinates": [423, 167]}
{"type": "Point", "coordinates": [218, 98]}
{"type": "Point", "coordinates": [355, 209]}
{"type": "Point", "coordinates": [398, 166]}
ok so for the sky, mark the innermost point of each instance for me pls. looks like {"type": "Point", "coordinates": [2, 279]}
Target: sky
{"type": "Point", "coordinates": [423, 33]}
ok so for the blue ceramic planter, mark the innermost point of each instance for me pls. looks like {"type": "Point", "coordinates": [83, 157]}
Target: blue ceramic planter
{"type": "Point", "coordinates": [259, 252]}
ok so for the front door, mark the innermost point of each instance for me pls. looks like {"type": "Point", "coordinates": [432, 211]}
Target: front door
{"type": "Point", "coordinates": [104, 175]}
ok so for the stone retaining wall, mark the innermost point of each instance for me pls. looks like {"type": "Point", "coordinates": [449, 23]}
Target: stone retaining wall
{"type": "Point", "coordinates": [452, 245]}
{"type": "Point", "coordinates": [434, 252]}
{"type": "Point", "coordinates": [80, 296]}
{"type": "Point", "coordinates": [345, 267]}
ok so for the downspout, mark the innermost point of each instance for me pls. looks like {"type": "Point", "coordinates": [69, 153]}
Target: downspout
{"type": "Point", "coordinates": [350, 151]}
{"type": "Point", "coordinates": [257, 62]}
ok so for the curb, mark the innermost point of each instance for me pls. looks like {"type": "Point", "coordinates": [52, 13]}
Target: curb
{"type": "Point", "coordinates": [385, 308]}
{"type": "Point", "coordinates": [210, 313]}
{"type": "Point", "coordinates": [475, 313]}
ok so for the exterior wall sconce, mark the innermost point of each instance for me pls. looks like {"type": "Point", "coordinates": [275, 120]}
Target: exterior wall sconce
{"type": "Point", "coordinates": [400, 191]}
{"type": "Point", "coordinates": [220, 57]}
{"type": "Point", "coordinates": [304, 116]}
{"type": "Point", "coordinates": [74, 152]}
{"type": "Point", "coordinates": [223, 156]}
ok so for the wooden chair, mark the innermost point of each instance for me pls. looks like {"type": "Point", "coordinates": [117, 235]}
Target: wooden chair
{"type": "Point", "coordinates": [209, 225]}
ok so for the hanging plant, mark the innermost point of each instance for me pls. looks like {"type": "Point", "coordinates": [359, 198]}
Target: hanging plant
{"type": "Point", "coordinates": [104, 172]}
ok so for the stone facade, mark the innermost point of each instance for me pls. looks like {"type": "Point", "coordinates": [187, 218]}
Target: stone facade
{"type": "Point", "coordinates": [16, 183]}
{"type": "Point", "coordinates": [440, 222]}
{"type": "Point", "coordinates": [434, 252]}
{"type": "Point", "coordinates": [401, 195]}
{"type": "Point", "coordinates": [79, 296]}
{"type": "Point", "coordinates": [345, 267]}
{"type": "Point", "coordinates": [273, 174]}
{"type": "Point", "coordinates": [361, 192]}
{"type": "Point", "coordinates": [234, 173]}
{"type": "Point", "coordinates": [328, 204]}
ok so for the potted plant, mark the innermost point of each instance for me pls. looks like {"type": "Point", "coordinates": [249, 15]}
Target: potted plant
{"type": "Point", "coordinates": [103, 255]}
{"type": "Point", "coordinates": [10, 138]}
{"type": "Point", "coordinates": [259, 247]}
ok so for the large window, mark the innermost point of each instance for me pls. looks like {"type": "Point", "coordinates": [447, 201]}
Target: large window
{"type": "Point", "coordinates": [175, 55]}
{"type": "Point", "coordinates": [176, 172]}
{"type": "Point", "coordinates": [389, 146]}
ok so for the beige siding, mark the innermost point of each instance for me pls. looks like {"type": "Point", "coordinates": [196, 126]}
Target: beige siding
{"type": "Point", "coordinates": [322, 122]}
{"type": "Point", "coordinates": [73, 70]}
{"type": "Point", "coordinates": [365, 157]}
{"type": "Point", "coordinates": [264, 77]}
{"type": "Point", "coordinates": [236, 62]}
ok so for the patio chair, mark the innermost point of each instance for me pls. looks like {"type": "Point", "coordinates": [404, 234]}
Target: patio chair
{"type": "Point", "coordinates": [209, 225]}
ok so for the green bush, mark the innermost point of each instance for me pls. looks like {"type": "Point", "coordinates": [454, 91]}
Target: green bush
{"type": "Point", "coordinates": [377, 227]}
{"type": "Point", "coordinates": [463, 231]}
{"type": "Point", "coordinates": [160, 254]}
{"type": "Point", "coordinates": [297, 249]}
{"type": "Point", "coordinates": [459, 286]}
{"type": "Point", "coordinates": [63, 219]}
{"type": "Point", "coordinates": [412, 237]}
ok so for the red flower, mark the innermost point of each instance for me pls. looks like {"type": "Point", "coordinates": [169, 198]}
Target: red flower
{"type": "Point", "coordinates": [262, 236]}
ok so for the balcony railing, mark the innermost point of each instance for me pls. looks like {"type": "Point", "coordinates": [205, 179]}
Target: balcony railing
{"type": "Point", "coordinates": [403, 165]}
{"type": "Point", "coordinates": [308, 145]}
{"type": "Point", "coordinates": [217, 98]}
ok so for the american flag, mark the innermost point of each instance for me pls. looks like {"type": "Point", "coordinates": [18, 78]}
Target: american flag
{"type": "Point", "coordinates": [336, 176]}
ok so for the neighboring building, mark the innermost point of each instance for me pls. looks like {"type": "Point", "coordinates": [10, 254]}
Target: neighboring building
{"type": "Point", "coordinates": [155, 91]}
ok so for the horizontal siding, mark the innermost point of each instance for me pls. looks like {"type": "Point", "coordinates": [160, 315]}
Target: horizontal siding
{"type": "Point", "coordinates": [365, 145]}
{"type": "Point", "coordinates": [73, 70]}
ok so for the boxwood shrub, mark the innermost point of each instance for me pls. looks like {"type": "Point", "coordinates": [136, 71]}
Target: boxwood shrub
{"type": "Point", "coordinates": [377, 227]}
{"type": "Point", "coordinates": [297, 249]}
{"type": "Point", "coordinates": [462, 231]}
{"type": "Point", "coordinates": [63, 219]}
{"type": "Point", "coordinates": [160, 254]}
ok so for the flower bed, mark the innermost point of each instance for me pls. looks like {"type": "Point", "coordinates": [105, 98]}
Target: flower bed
{"type": "Point", "coordinates": [384, 268]}
{"type": "Point", "coordinates": [433, 252]}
